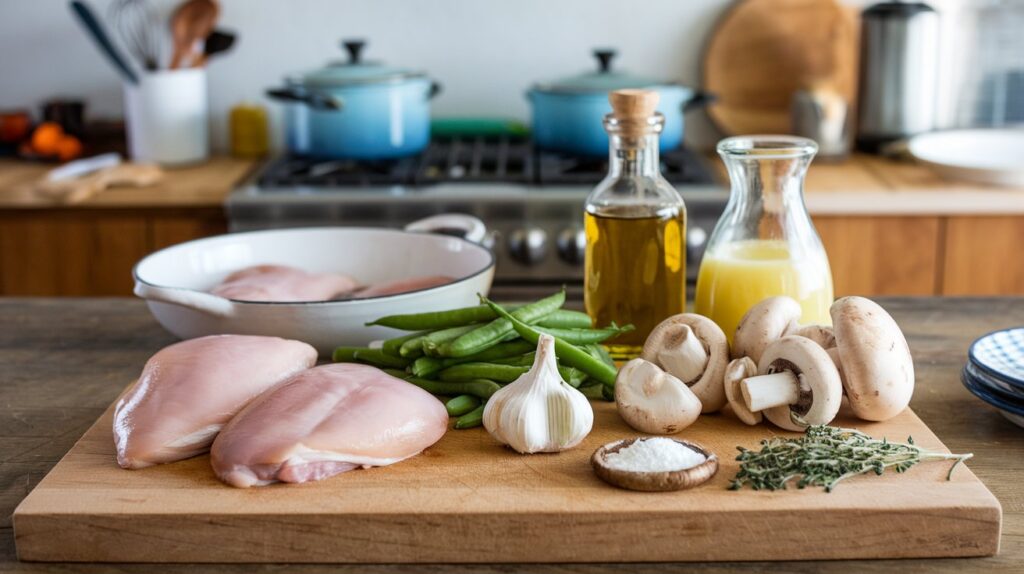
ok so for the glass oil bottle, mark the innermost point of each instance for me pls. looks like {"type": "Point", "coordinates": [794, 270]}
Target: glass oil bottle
{"type": "Point", "coordinates": [635, 222]}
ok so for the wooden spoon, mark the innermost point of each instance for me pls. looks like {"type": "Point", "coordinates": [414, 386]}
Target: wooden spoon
{"type": "Point", "coordinates": [191, 23]}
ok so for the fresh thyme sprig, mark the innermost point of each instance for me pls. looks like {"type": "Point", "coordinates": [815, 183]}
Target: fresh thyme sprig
{"type": "Point", "coordinates": [826, 455]}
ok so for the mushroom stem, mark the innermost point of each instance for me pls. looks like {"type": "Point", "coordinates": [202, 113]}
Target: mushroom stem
{"type": "Point", "coordinates": [767, 391]}
{"type": "Point", "coordinates": [684, 356]}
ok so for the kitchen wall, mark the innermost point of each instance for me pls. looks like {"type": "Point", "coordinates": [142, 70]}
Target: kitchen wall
{"type": "Point", "coordinates": [485, 52]}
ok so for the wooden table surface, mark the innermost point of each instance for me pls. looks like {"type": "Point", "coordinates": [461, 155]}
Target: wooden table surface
{"type": "Point", "coordinates": [62, 362]}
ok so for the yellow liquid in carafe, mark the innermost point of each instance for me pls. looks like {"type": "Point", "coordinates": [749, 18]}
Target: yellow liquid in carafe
{"type": "Point", "coordinates": [635, 272]}
{"type": "Point", "coordinates": [741, 274]}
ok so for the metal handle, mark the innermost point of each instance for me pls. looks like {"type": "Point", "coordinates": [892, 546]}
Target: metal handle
{"type": "Point", "coordinates": [354, 49]}
{"type": "Point", "coordinates": [203, 302]}
{"type": "Point", "coordinates": [435, 89]}
{"type": "Point", "coordinates": [314, 100]}
{"type": "Point", "coordinates": [604, 59]}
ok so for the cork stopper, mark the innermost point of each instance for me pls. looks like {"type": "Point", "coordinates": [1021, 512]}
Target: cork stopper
{"type": "Point", "coordinates": [633, 109]}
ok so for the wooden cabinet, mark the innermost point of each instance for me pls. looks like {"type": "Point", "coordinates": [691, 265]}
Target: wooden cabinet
{"type": "Point", "coordinates": [984, 256]}
{"type": "Point", "coordinates": [882, 255]}
{"type": "Point", "coordinates": [87, 253]}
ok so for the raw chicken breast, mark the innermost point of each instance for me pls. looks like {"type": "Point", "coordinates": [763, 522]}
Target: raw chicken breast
{"type": "Point", "coordinates": [403, 286]}
{"type": "Point", "coordinates": [324, 421]}
{"type": "Point", "coordinates": [189, 390]}
{"type": "Point", "coordinates": [284, 284]}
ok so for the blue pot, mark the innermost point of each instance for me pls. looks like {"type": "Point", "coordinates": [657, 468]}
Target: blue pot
{"type": "Point", "coordinates": [568, 115]}
{"type": "Point", "coordinates": [357, 110]}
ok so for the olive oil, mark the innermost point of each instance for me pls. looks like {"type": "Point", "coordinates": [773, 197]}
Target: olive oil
{"type": "Point", "coordinates": [635, 270]}
{"type": "Point", "coordinates": [635, 222]}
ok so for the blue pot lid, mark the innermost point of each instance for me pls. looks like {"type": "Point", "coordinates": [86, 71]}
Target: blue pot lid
{"type": "Point", "coordinates": [354, 71]}
{"type": "Point", "coordinates": [602, 80]}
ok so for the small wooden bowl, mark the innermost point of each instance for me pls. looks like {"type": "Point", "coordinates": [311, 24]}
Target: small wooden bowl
{"type": "Point", "coordinates": [653, 481]}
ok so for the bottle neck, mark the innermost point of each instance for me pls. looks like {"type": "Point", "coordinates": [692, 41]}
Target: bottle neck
{"type": "Point", "coordinates": [633, 156]}
{"type": "Point", "coordinates": [767, 194]}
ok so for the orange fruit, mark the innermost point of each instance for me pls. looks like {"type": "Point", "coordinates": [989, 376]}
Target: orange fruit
{"type": "Point", "coordinates": [68, 148]}
{"type": "Point", "coordinates": [46, 138]}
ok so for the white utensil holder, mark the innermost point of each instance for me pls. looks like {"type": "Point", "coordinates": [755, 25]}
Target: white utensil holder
{"type": "Point", "coordinates": [167, 117]}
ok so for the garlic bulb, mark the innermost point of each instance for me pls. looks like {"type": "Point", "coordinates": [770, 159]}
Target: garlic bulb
{"type": "Point", "coordinates": [539, 412]}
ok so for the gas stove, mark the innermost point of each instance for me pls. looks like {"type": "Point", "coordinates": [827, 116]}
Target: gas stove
{"type": "Point", "coordinates": [530, 200]}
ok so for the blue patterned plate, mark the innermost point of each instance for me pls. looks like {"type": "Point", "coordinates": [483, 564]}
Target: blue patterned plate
{"type": "Point", "coordinates": [1001, 387]}
{"type": "Point", "coordinates": [1012, 410]}
{"type": "Point", "coordinates": [1001, 355]}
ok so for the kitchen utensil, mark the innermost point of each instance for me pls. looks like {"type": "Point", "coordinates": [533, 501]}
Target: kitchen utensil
{"type": "Point", "coordinates": [763, 51]}
{"type": "Point", "coordinates": [87, 18]}
{"type": "Point", "coordinates": [821, 114]}
{"type": "Point", "coordinates": [191, 23]}
{"type": "Point", "coordinates": [137, 24]}
{"type": "Point", "coordinates": [1001, 355]}
{"type": "Point", "coordinates": [484, 504]}
{"type": "Point", "coordinates": [568, 113]}
{"type": "Point", "coordinates": [218, 42]}
{"type": "Point", "coordinates": [764, 244]}
{"type": "Point", "coordinates": [357, 109]}
{"type": "Point", "coordinates": [990, 156]}
{"type": "Point", "coordinates": [175, 281]}
{"type": "Point", "coordinates": [1013, 411]}
{"type": "Point", "coordinates": [77, 189]}
{"type": "Point", "coordinates": [167, 117]}
{"type": "Point", "coordinates": [898, 73]}
{"type": "Point", "coordinates": [455, 224]}
{"type": "Point", "coordinates": [84, 166]}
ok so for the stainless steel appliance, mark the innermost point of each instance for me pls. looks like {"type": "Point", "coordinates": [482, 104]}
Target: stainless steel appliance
{"type": "Point", "coordinates": [899, 72]}
{"type": "Point", "coordinates": [530, 200]}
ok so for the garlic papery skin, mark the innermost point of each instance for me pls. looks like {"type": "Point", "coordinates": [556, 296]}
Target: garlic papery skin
{"type": "Point", "coordinates": [539, 412]}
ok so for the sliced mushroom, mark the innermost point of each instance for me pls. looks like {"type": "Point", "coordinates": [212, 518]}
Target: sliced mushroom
{"type": "Point", "coordinates": [796, 376]}
{"type": "Point", "coordinates": [878, 371]}
{"type": "Point", "coordinates": [763, 324]}
{"type": "Point", "coordinates": [695, 350]}
{"type": "Point", "coordinates": [735, 372]}
{"type": "Point", "coordinates": [653, 401]}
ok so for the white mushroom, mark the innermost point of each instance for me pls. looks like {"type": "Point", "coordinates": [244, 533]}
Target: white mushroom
{"type": "Point", "coordinates": [653, 401]}
{"type": "Point", "coordinates": [795, 376]}
{"type": "Point", "coordinates": [823, 335]}
{"type": "Point", "coordinates": [763, 324]}
{"type": "Point", "coordinates": [695, 350]}
{"type": "Point", "coordinates": [735, 372]}
{"type": "Point", "coordinates": [878, 371]}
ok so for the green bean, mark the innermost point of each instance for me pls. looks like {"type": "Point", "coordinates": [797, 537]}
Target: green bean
{"type": "Point", "coordinates": [461, 405]}
{"type": "Point", "coordinates": [565, 319]}
{"type": "Point", "coordinates": [438, 319]}
{"type": "Point", "coordinates": [345, 354]}
{"type": "Point", "coordinates": [379, 358]}
{"type": "Point", "coordinates": [524, 360]}
{"type": "Point", "coordinates": [417, 346]}
{"type": "Point", "coordinates": [601, 353]}
{"type": "Point", "coordinates": [502, 373]}
{"type": "Point", "coordinates": [490, 334]}
{"type": "Point", "coordinates": [393, 346]}
{"type": "Point", "coordinates": [473, 418]}
{"type": "Point", "coordinates": [568, 354]}
{"type": "Point", "coordinates": [477, 387]}
{"type": "Point", "coordinates": [426, 366]}
{"type": "Point", "coordinates": [499, 351]}
{"type": "Point", "coordinates": [585, 336]}
{"type": "Point", "coordinates": [432, 341]}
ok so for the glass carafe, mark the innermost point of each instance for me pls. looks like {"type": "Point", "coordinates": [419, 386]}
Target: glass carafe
{"type": "Point", "coordinates": [764, 244]}
{"type": "Point", "coordinates": [635, 221]}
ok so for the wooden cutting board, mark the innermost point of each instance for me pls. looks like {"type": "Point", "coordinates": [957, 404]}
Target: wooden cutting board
{"type": "Point", "coordinates": [467, 499]}
{"type": "Point", "coordinates": [763, 51]}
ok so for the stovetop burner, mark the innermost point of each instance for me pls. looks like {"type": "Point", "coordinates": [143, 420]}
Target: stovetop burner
{"type": "Point", "coordinates": [480, 159]}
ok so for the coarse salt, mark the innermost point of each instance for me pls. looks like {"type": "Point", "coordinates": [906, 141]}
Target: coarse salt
{"type": "Point", "coordinates": [654, 455]}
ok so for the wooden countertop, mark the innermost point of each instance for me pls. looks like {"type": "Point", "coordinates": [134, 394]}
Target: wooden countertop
{"type": "Point", "coordinates": [200, 186]}
{"type": "Point", "coordinates": [58, 381]}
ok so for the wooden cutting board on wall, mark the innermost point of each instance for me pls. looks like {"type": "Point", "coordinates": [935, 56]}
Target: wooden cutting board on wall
{"type": "Point", "coordinates": [468, 499]}
{"type": "Point", "coordinates": [762, 52]}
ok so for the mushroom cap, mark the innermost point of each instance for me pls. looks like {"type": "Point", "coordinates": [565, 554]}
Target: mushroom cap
{"type": "Point", "coordinates": [710, 387]}
{"type": "Point", "coordinates": [764, 323]}
{"type": "Point", "coordinates": [820, 334]}
{"type": "Point", "coordinates": [736, 371]}
{"type": "Point", "coordinates": [815, 369]}
{"type": "Point", "coordinates": [877, 367]}
{"type": "Point", "coordinates": [653, 401]}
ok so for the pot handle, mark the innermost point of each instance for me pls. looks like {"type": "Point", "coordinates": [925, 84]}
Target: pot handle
{"type": "Point", "coordinates": [604, 59]}
{"type": "Point", "coordinates": [699, 100]}
{"type": "Point", "coordinates": [203, 302]}
{"type": "Point", "coordinates": [314, 100]}
{"type": "Point", "coordinates": [435, 89]}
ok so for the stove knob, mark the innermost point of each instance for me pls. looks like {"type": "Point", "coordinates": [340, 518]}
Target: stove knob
{"type": "Point", "coordinates": [528, 246]}
{"type": "Point", "coordinates": [572, 245]}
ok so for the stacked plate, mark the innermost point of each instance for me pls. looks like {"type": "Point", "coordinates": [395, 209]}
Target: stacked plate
{"type": "Point", "coordinates": [995, 372]}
